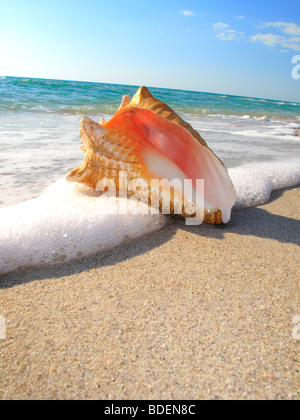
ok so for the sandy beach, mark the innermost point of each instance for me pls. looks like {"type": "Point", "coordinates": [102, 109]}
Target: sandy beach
{"type": "Point", "coordinates": [184, 313]}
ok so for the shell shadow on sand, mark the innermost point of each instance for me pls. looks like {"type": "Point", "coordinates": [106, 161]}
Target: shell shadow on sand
{"type": "Point", "coordinates": [254, 221]}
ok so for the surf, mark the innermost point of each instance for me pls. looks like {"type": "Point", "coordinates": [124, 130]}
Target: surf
{"type": "Point", "coordinates": [67, 223]}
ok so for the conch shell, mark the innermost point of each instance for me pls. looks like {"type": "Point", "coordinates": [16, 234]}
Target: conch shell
{"type": "Point", "coordinates": [148, 141]}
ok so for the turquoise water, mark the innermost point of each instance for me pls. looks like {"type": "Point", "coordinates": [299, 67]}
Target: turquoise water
{"type": "Point", "coordinates": [39, 128]}
{"type": "Point", "coordinates": [77, 98]}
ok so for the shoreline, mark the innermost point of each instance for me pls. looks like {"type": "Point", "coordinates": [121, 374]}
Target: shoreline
{"type": "Point", "coordinates": [183, 313]}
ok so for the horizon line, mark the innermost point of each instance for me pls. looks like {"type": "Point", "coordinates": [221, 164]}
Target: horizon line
{"type": "Point", "coordinates": [150, 87]}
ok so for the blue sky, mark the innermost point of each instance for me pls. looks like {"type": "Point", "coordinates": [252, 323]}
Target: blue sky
{"type": "Point", "coordinates": [233, 47]}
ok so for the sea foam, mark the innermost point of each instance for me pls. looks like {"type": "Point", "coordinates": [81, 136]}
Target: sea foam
{"type": "Point", "coordinates": [255, 182]}
{"type": "Point", "coordinates": [66, 223]}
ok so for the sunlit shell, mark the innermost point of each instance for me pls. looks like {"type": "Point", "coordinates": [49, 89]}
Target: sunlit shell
{"type": "Point", "coordinates": [143, 99]}
{"type": "Point", "coordinates": [147, 140]}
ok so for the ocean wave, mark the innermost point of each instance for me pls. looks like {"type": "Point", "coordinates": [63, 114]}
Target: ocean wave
{"type": "Point", "coordinates": [66, 223]}
{"type": "Point", "coordinates": [280, 134]}
{"type": "Point", "coordinates": [262, 116]}
{"type": "Point", "coordinates": [254, 99]}
{"type": "Point", "coordinates": [193, 111]}
{"type": "Point", "coordinates": [282, 131]}
{"type": "Point", "coordinates": [255, 182]}
{"type": "Point", "coordinates": [61, 109]}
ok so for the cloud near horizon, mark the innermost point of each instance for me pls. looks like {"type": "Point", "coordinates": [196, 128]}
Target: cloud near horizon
{"type": "Point", "coordinates": [287, 38]}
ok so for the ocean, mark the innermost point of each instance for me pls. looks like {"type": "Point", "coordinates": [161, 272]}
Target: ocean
{"type": "Point", "coordinates": [39, 128]}
{"type": "Point", "coordinates": [39, 143]}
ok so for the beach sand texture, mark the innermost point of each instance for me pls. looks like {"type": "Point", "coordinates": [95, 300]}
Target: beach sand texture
{"type": "Point", "coordinates": [185, 313]}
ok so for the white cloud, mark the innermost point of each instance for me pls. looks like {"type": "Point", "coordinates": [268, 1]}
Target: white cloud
{"type": "Point", "coordinates": [268, 39]}
{"type": "Point", "coordinates": [289, 36]}
{"type": "Point", "coordinates": [230, 35]}
{"type": "Point", "coordinates": [286, 28]}
{"type": "Point", "coordinates": [220, 26]}
{"type": "Point", "coordinates": [187, 13]}
{"type": "Point", "coordinates": [272, 40]}
{"type": "Point", "coordinates": [226, 34]}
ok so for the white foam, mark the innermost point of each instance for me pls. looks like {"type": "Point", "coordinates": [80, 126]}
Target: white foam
{"type": "Point", "coordinates": [254, 183]}
{"type": "Point", "coordinates": [65, 223]}
{"type": "Point", "coordinates": [279, 133]}
{"type": "Point", "coordinates": [264, 118]}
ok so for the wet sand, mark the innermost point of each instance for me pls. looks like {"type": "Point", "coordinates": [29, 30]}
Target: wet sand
{"type": "Point", "coordinates": [185, 313]}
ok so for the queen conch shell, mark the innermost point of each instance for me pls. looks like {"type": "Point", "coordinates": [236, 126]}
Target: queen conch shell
{"type": "Point", "coordinates": [147, 141]}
